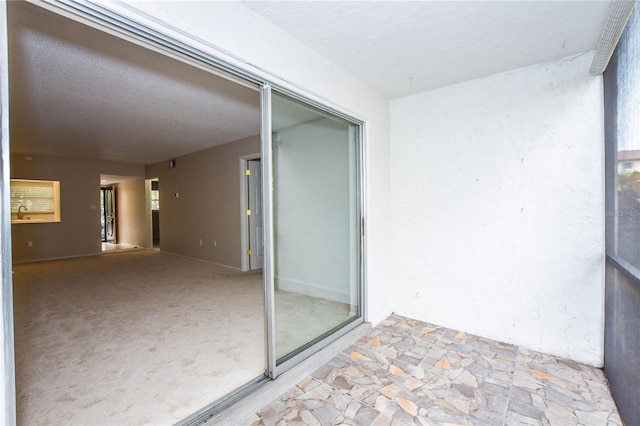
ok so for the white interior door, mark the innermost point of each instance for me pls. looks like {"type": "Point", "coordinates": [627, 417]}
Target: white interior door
{"type": "Point", "coordinates": [254, 214]}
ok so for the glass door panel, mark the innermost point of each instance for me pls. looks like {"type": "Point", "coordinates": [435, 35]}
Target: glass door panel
{"type": "Point", "coordinates": [108, 215]}
{"type": "Point", "coordinates": [315, 226]}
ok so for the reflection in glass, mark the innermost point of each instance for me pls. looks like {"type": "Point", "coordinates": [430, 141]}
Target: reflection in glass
{"type": "Point", "coordinates": [628, 144]}
{"type": "Point", "coordinates": [316, 238]}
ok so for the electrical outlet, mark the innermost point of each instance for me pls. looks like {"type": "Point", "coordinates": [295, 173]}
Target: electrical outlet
{"type": "Point", "coordinates": [29, 243]}
{"type": "Point", "coordinates": [215, 243]}
{"type": "Point", "coordinates": [200, 242]}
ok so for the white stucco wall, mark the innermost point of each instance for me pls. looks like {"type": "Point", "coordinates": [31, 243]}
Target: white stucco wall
{"type": "Point", "coordinates": [497, 201]}
{"type": "Point", "coordinates": [232, 32]}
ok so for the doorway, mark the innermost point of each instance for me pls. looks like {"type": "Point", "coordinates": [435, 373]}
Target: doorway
{"type": "Point", "coordinates": [189, 208]}
{"type": "Point", "coordinates": [316, 231]}
{"type": "Point", "coordinates": [155, 213]}
{"type": "Point", "coordinates": [180, 328]}
{"type": "Point", "coordinates": [108, 214]}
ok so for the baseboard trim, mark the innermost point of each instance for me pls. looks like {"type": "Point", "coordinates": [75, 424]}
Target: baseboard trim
{"type": "Point", "coordinates": [48, 259]}
{"type": "Point", "coordinates": [308, 289]}
{"type": "Point", "coordinates": [202, 260]}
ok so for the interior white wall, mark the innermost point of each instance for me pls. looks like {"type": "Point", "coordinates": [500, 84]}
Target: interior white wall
{"type": "Point", "coordinates": [132, 213]}
{"type": "Point", "coordinates": [497, 210]}
{"type": "Point", "coordinates": [312, 183]}
{"type": "Point", "coordinates": [230, 31]}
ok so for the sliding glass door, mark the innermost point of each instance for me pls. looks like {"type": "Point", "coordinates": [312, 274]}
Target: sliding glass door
{"type": "Point", "coordinates": [311, 160]}
{"type": "Point", "coordinates": [316, 238]}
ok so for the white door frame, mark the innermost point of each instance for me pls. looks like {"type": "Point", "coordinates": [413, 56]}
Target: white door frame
{"type": "Point", "coordinates": [244, 235]}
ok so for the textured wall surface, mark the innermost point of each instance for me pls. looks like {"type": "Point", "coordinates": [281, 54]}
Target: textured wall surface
{"type": "Point", "coordinates": [400, 55]}
{"type": "Point", "coordinates": [497, 216]}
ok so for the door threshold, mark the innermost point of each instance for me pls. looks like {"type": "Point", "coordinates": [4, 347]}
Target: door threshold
{"type": "Point", "coordinates": [244, 407]}
{"type": "Point", "coordinates": [205, 414]}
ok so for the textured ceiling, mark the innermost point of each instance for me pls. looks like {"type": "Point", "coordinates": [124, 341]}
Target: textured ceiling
{"type": "Point", "coordinates": [406, 47]}
{"type": "Point", "coordinates": [81, 93]}
{"type": "Point", "coordinates": [78, 92]}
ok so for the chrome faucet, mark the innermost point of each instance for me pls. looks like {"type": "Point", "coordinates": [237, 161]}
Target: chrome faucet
{"type": "Point", "coordinates": [20, 212]}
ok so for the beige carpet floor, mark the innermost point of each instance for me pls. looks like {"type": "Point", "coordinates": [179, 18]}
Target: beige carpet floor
{"type": "Point", "coordinates": [134, 338]}
{"type": "Point", "coordinates": [144, 337]}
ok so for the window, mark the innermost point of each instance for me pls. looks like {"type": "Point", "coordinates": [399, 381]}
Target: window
{"type": "Point", "coordinates": [35, 201]}
{"type": "Point", "coordinates": [625, 212]}
{"type": "Point", "coordinates": [155, 199]}
{"type": "Point", "coordinates": [622, 279]}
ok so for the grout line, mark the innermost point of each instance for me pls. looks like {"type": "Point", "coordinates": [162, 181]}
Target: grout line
{"type": "Point", "coordinates": [476, 347]}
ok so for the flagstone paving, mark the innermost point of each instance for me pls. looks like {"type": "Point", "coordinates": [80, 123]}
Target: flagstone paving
{"type": "Point", "coordinates": [407, 372]}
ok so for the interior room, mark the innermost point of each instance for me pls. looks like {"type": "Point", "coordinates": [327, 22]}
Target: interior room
{"type": "Point", "coordinates": [172, 328]}
{"type": "Point", "coordinates": [447, 171]}
{"type": "Point", "coordinates": [154, 162]}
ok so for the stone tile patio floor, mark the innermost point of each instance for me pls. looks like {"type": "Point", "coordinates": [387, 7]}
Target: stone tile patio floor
{"type": "Point", "coordinates": [407, 372]}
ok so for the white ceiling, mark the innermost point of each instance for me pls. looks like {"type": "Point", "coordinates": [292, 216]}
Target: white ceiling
{"type": "Point", "coordinates": [406, 47]}
{"type": "Point", "coordinates": [81, 93]}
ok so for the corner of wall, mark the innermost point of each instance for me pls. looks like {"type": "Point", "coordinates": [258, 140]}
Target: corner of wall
{"type": "Point", "coordinates": [497, 207]}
